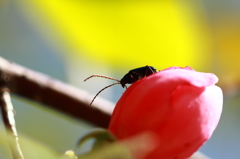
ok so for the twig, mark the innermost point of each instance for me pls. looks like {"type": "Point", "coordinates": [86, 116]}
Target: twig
{"type": "Point", "coordinates": [53, 93]}
{"type": "Point", "coordinates": [9, 122]}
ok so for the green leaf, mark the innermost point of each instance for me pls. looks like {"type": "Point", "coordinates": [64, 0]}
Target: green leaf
{"type": "Point", "coordinates": [112, 151]}
{"type": "Point", "coordinates": [101, 136]}
{"type": "Point", "coordinates": [135, 147]}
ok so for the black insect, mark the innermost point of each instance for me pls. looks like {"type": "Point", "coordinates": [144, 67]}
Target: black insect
{"type": "Point", "coordinates": [131, 77]}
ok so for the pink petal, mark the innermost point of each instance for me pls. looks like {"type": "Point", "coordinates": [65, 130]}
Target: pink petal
{"type": "Point", "coordinates": [179, 104]}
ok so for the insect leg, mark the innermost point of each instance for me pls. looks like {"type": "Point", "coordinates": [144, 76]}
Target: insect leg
{"type": "Point", "coordinates": [150, 69]}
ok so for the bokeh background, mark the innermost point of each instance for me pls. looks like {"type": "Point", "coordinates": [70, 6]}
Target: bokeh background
{"type": "Point", "coordinates": [71, 40]}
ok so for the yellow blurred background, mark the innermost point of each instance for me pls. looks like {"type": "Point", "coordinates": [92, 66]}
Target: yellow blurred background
{"type": "Point", "coordinates": [127, 34]}
{"type": "Point", "coordinates": [71, 40]}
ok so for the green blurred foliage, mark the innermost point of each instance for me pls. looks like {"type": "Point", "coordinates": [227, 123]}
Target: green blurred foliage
{"type": "Point", "coordinates": [30, 148]}
{"type": "Point", "coordinates": [137, 145]}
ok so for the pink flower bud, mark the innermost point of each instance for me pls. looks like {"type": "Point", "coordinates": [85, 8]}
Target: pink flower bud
{"type": "Point", "coordinates": [180, 105]}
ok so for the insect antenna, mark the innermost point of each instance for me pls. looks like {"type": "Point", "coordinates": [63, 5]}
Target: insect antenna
{"type": "Point", "coordinates": [102, 90]}
{"type": "Point", "coordinates": [101, 77]}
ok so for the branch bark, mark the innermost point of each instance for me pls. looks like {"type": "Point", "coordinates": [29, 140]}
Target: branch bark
{"type": "Point", "coordinates": [54, 94]}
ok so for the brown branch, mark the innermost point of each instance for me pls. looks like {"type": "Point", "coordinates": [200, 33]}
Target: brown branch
{"type": "Point", "coordinates": [9, 122]}
{"type": "Point", "coordinates": [53, 93]}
